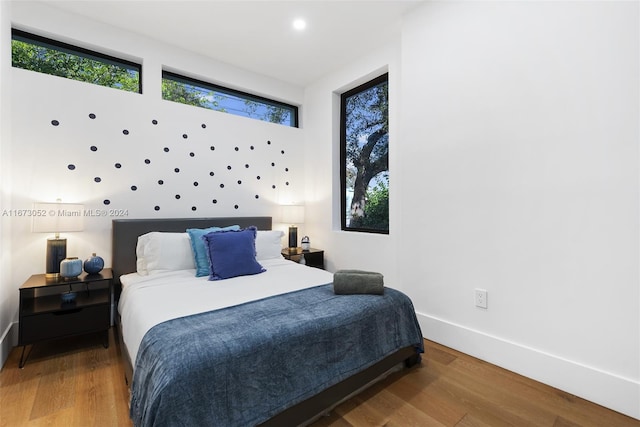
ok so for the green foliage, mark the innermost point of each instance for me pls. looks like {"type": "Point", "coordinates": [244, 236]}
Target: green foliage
{"type": "Point", "coordinates": [186, 94]}
{"type": "Point", "coordinates": [376, 211]}
{"type": "Point", "coordinates": [82, 68]}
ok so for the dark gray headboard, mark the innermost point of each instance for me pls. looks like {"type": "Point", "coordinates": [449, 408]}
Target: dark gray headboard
{"type": "Point", "coordinates": [125, 232]}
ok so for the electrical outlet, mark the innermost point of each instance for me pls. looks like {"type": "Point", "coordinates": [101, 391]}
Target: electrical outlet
{"type": "Point", "coordinates": [481, 298]}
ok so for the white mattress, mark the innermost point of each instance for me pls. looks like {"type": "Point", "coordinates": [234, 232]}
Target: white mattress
{"type": "Point", "coordinates": [149, 300]}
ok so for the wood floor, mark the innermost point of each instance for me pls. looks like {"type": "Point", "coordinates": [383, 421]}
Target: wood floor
{"type": "Point", "coordinates": [79, 383]}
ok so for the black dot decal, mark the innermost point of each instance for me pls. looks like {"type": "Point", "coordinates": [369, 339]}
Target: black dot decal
{"type": "Point", "coordinates": [212, 148]}
{"type": "Point", "coordinates": [55, 122]}
{"type": "Point", "coordinates": [246, 166]}
{"type": "Point", "coordinates": [235, 206]}
{"type": "Point", "coordinates": [221, 185]}
{"type": "Point", "coordinates": [214, 201]}
{"type": "Point", "coordinates": [258, 177]}
{"type": "Point", "coordinates": [71, 167]}
{"type": "Point", "coordinates": [157, 208]}
{"type": "Point", "coordinates": [268, 142]}
{"type": "Point", "coordinates": [195, 184]}
{"type": "Point", "coordinates": [177, 197]}
{"type": "Point", "coordinates": [252, 147]}
{"type": "Point", "coordinates": [286, 169]}
{"type": "Point", "coordinates": [192, 154]}
{"type": "Point", "coordinates": [106, 201]}
{"type": "Point", "coordinates": [160, 182]}
{"type": "Point", "coordinates": [93, 148]}
{"type": "Point", "coordinates": [134, 188]}
{"type": "Point", "coordinates": [147, 161]}
{"type": "Point", "coordinates": [237, 149]}
{"type": "Point", "coordinates": [286, 183]}
{"type": "Point", "coordinates": [97, 179]}
{"type": "Point", "coordinates": [126, 132]}
{"type": "Point", "coordinates": [273, 164]}
{"type": "Point", "coordinates": [154, 121]}
{"type": "Point", "coordinates": [282, 151]}
{"type": "Point", "coordinates": [185, 136]}
{"type": "Point", "coordinates": [92, 116]}
{"type": "Point", "coordinates": [239, 182]}
{"type": "Point", "coordinates": [117, 165]}
{"type": "Point", "coordinates": [257, 197]}
{"type": "Point", "coordinates": [203, 126]}
{"type": "Point", "coordinates": [228, 167]}
{"type": "Point", "coordinates": [273, 186]}
{"type": "Point", "coordinates": [193, 208]}
{"type": "Point", "coordinates": [166, 149]}
{"type": "Point", "coordinates": [211, 173]}
{"type": "Point", "coordinates": [176, 170]}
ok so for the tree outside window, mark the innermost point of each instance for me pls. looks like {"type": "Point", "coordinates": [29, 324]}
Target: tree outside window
{"type": "Point", "coordinates": [364, 158]}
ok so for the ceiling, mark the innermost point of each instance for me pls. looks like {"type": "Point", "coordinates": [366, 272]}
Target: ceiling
{"type": "Point", "coordinates": [259, 35]}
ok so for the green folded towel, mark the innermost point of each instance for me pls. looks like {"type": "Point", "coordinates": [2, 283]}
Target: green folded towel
{"type": "Point", "coordinates": [357, 282]}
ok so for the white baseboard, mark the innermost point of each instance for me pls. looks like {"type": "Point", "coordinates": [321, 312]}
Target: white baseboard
{"type": "Point", "coordinates": [8, 340]}
{"type": "Point", "coordinates": [611, 391]}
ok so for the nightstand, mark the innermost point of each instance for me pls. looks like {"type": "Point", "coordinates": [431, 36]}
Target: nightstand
{"type": "Point", "coordinates": [312, 257]}
{"type": "Point", "coordinates": [44, 315]}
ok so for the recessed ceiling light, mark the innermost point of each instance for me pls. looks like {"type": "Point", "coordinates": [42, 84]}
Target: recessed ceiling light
{"type": "Point", "coordinates": [299, 24]}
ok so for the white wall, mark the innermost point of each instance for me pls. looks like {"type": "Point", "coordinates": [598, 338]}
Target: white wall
{"type": "Point", "coordinates": [322, 217]}
{"type": "Point", "coordinates": [519, 142]}
{"type": "Point", "coordinates": [40, 153]}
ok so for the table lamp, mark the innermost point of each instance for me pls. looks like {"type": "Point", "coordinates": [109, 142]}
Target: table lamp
{"type": "Point", "coordinates": [56, 218]}
{"type": "Point", "coordinates": [293, 214]}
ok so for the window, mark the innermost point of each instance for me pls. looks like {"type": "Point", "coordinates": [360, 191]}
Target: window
{"type": "Point", "coordinates": [190, 91]}
{"type": "Point", "coordinates": [47, 56]}
{"type": "Point", "coordinates": [364, 157]}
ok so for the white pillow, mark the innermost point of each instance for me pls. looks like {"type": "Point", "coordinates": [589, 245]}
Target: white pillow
{"type": "Point", "coordinates": [157, 252]}
{"type": "Point", "coordinates": [268, 244]}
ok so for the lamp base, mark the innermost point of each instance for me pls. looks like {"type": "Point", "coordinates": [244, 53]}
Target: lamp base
{"type": "Point", "coordinates": [56, 252]}
{"type": "Point", "coordinates": [293, 237]}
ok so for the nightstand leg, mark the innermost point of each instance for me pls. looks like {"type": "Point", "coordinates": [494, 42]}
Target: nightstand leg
{"type": "Point", "coordinates": [23, 358]}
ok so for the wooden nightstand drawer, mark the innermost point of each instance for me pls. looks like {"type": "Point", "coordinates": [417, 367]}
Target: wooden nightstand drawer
{"type": "Point", "coordinates": [59, 324]}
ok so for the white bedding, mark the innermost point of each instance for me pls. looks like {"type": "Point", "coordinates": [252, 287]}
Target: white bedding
{"type": "Point", "coordinates": [149, 300]}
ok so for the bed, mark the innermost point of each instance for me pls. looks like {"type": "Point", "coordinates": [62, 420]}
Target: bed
{"type": "Point", "coordinates": [273, 348]}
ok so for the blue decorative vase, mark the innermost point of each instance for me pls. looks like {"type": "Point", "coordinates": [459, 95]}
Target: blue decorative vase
{"type": "Point", "coordinates": [70, 267]}
{"type": "Point", "coordinates": [94, 264]}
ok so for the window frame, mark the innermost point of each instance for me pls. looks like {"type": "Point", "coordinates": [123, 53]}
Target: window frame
{"type": "Point", "coordinates": [343, 152]}
{"type": "Point", "coordinates": [27, 37]}
{"type": "Point", "coordinates": [170, 75]}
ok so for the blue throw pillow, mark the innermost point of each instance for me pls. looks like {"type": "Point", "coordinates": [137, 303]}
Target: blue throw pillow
{"type": "Point", "coordinates": [232, 253]}
{"type": "Point", "coordinates": [200, 256]}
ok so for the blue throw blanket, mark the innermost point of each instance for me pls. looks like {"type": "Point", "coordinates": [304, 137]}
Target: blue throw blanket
{"type": "Point", "coordinates": [242, 365]}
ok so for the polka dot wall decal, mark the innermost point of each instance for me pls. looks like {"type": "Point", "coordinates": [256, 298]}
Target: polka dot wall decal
{"type": "Point", "coordinates": [203, 126]}
{"type": "Point", "coordinates": [166, 149]}
{"type": "Point", "coordinates": [126, 132]}
{"type": "Point", "coordinates": [273, 164]}
{"type": "Point", "coordinates": [273, 186]}
{"type": "Point", "coordinates": [258, 177]}
{"type": "Point", "coordinates": [177, 170]}
{"type": "Point", "coordinates": [195, 184]}
{"type": "Point", "coordinates": [252, 147]}
{"type": "Point", "coordinates": [71, 167]}
{"type": "Point", "coordinates": [286, 183]}
{"type": "Point", "coordinates": [211, 174]}
{"type": "Point", "coordinates": [192, 154]}
{"type": "Point", "coordinates": [221, 185]}
{"type": "Point", "coordinates": [177, 197]}
{"type": "Point", "coordinates": [185, 136]}
{"type": "Point", "coordinates": [160, 182]}
{"type": "Point", "coordinates": [92, 116]}
{"type": "Point", "coordinates": [154, 121]}
{"type": "Point", "coordinates": [282, 151]}
{"type": "Point", "coordinates": [106, 201]}
{"type": "Point", "coordinates": [246, 166]}
{"type": "Point", "coordinates": [286, 169]}
{"type": "Point", "coordinates": [228, 167]}
{"type": "Point", "coordinates": [268, 142]}
{"type": "Point", "coordinates": [193, 208]}
{"type": "Point", "coordinates": [117, 165]}
{"type": "Point", "coordinates": [93, 148]}
{"type": "Point", "coordinates": [134, 188]}
{"type": "Point", "coordinates": [55, 122]}
{"type": "Point", "coordinates": [212, 148]}
{"type": "Point", "coordinates": [235, 206]}
{"type": "Point", "coordinates": [157, 208]}
{"type": "Point", "coordinates": [237, 149]}
{"type": "Point", "coordinates": [239, 182]}
{"type": "Point", "coordinates": [214, 201]}
{"type": "Point", "coordinates": [97, 179]}
{"type": "Point", "coordinates": [257, 197]}
{"type": "Point", "coordinates": [147, 161]}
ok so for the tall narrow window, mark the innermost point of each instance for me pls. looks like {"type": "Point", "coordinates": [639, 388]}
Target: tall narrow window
{"type": "Point", "coordinates": [36, 53]}
{"type": "Point", "coordinates": [364, 157]}
{"type": "Point", "coordinates": [190, 91]}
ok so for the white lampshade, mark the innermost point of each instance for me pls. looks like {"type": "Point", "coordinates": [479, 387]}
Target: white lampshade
{"type": "Point", "coordinates": [292, 214]}
{"type": "Point", "coordinates": [57, 217]}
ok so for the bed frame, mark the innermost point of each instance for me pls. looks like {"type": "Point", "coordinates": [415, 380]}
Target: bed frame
{"type": "Point", "coordinates": [125, 234]}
